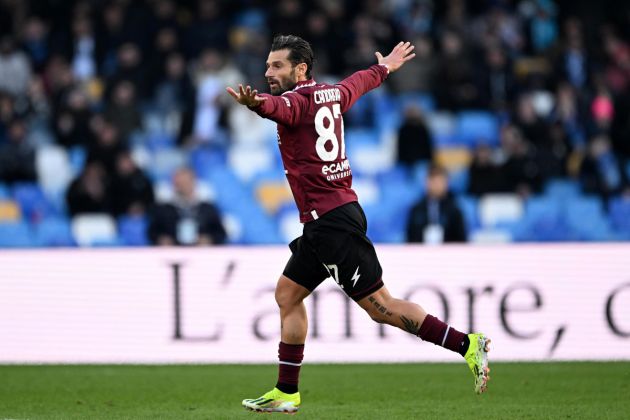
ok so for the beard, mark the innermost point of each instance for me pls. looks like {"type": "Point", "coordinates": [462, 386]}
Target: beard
{"type": "Point", "coordinates": [282, 85]}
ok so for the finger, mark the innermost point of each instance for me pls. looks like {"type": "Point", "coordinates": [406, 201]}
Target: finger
{"type": "Point", "coordinates": [409, 57]}
{"type": "Point", "coordinates": [248, 90]}
{"type": "Point", "coordinates": [409, 49]}
{"type": "Point", "coordinates": [254, 92]}
{"type": "Point", "coordinates": [378, 55]}
{"type": "Point", "coordinates": [232, 92]}
{"type": "Point", "coordinates": [240, 89]}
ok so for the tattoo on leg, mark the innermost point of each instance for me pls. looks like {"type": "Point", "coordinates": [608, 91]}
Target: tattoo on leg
{"type": "Point", "coordinates": [410, 325]}
{"type": "Point", "coordinates": [382, 309]}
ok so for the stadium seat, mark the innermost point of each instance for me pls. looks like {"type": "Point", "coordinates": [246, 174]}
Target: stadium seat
{"type": "Point", "coordinates": [442, 126]}
{"type": "Point", "coordinates": [233, 228]}
{"type": "Point", "coordinates": [453, 158]}
{"type": "Point", "coordinates": [5, 192]}
{"type": "Point", "coordinates": [9, 211]}
{"type": "Point", "coordinates": [165, 162]}
{"type": "Point", "coordinates": [54, 232]}
{"type": "Point", "coordinates": [15, 235]}
{"type": "Point", "coordinates": [586, 218]}
{"type": "Point", "coordinates": [204, 158]}
{"type": "Point", "coordinates": [247, 161]}
{"type": "Point", "coordinates": [361, 136]}
{"type": "Point", "coordinates": [132, 230]}
{"type": "Point", "coordinates": [468, 207]}
{"type": "Point", "coordinates": [77, 156]}
{"type": "Point", "coordinates": [273, 195]}
{"type": "Point", "coordinates": [477, 127]}
{"type": "Point", "coordinates": [54, 170]}
{"type": "Point", "coordinates": [424, 101]}
{"type": "Point", "coordinates": [367, 189]}
{"type": "Point", "coordinates": [94, 229]}
{"type": "Point", "coordinates": [619, 210]}
{"type": "Point", "coordinates": [289, 225]}
{"type": "Point", "coordinates": [34, 204]}
{"type": "Point", "coordinates": [562, 188]}
{"type": "Point", "coordinates": [458, 181]}
{"type": "Point", "coordinates": [500, 208]}
{"type": "Point", "coordinates": [543, 221]}
{"type": "Point", "coordinates": [490, 236]}
{"type": "Point", "coordinates": [156, 141]}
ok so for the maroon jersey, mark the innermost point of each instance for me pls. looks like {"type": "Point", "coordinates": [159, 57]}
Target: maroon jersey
{"type": "Point", "coordinates": [311, 139]}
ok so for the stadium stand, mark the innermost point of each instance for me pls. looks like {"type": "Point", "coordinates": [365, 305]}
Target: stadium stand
{"type": "Point", "coordinates": [95, 84]}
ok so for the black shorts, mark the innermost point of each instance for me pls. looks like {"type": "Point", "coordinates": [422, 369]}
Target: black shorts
{"type": "Point", "coordinates": [336, 245]}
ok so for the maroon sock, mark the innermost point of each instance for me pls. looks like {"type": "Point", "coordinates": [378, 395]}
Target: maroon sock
{"type": "Point", "coordinates": [290, 360]}
{"type": "Point", "coordinates": [437, 332]}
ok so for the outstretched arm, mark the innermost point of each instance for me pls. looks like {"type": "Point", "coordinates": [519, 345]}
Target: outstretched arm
{"type": "Point", "coordinates": [363, 81]}
{"type": "Point", "coordinates": [285, 109]}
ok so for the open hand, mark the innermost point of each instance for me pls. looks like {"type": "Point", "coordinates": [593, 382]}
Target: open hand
{"type": "Point", "coordinates": [246, 96]}
{"type": "Point", "coordinates": [399, 56]}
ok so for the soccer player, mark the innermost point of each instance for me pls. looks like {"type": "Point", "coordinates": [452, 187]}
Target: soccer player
{"type": "Point", "coordinates": [334, 242]}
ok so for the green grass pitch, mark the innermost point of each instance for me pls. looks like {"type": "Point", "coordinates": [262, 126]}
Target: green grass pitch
{"type": "Point", "coordinates": [377, 391]}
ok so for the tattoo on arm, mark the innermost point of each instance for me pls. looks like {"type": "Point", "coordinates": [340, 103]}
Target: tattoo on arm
{"type": "Point", "coordinates": [410, 325]}
{"type": "Point", "coordinates": [382, 309]}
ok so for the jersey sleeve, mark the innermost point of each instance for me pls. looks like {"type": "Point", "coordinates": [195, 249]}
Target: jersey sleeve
{"type": "Point", "coordinates": [284, 109]}
{"type": "Point", "coordinates": [359, 83]}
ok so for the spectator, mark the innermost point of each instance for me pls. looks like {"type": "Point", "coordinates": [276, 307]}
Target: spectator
{"type": "Point", "coordinates": [187, 220]}
{"type": "Point", "coordinates": [209, 88]}
{"type": "Point", "coordinates": [456, 87]}
{"type": "Point", "coordinates": [496, 81]}
{"type": "Point", "coordinates": [15, 69]}
{"type": "Point", "coordinates": [84, 57]}
{"type": "Point", "coordinates": [88, 192]}
{"type": "Point", "coordinates": [72, 122]}
{"type": "Point", "coordinates": [521, 169]}
{"type": "Point", "coordinates": [174, 96]}
{"type": "Point", "coordinates": [436, 218]}
{"type": "Point", "coordinates": [417, 75]}
{"type": "Point", "coordinates": [601, 171]}
{"type": "Point", "coordinates": [485, 174]}
{"type": "Point", "coordinates": [17, 156]}
{"type": "Point", "coordinates": [209, 30]}
{"type": "Point", "coordinates": [35, 39]}
{"type": "Point", "coordinates": [122, 111]}
{"type": "Point", "coordinates": [106, 145]}
{"type": "Point", "coordinates": [131, 190]}
{"type": "Point", "coordinates": [414, 138]}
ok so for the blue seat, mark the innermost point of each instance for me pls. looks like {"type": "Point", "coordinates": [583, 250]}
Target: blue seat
{"type": "Point", "coordinates": [562, 188]}
{"type": "Point", "coordinates": [468, 206]}
{"type": "Point", "coordinates": [160, 141]}
{"type": "Point", "coordinates": [78, 156]}
{"type": "Point", "coordinates": [543, 221]}
{"type": "Point", "coordinates": [204, 159]}
{"type": "Point", "coordinates": [15, 235]}
{"type": "Point", "coordinates": [477, 127]}
{"type": "Point", "coordinates": [424, 101]}
{"type": "Point", "coordinates": [132, 230]}
{"type": "Point", "coordinates": [53, 232]}
{"type": "Point", "coordinates": [458, 181]}
{"type": "Point", "coordinates": [587, 219]}
{"type": "Point", "coordinates": [4, 191]}
{"type": "Point", "coordinates": [34, 204]}
{"type": "Point", "coordinates": [619, 212]}
{"type": "Point", "coordinates": [361, 136]}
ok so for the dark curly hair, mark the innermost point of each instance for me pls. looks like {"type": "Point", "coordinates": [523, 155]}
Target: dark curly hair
{"type": "Point", "coordinates": [300, 51]}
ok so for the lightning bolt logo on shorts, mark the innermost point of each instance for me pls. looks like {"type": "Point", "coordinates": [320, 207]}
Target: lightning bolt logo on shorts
{"type": "Point", "coordinates": [355, 277]}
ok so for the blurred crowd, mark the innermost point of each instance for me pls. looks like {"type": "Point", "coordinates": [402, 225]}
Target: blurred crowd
{"type": "Point", "coordinates": [87, 75]}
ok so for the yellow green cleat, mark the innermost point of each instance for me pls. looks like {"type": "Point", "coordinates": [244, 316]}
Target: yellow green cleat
{"type": "Point", "coordinates": [477, 359]}
{"type": "Point", "coordinates": [274, 401]}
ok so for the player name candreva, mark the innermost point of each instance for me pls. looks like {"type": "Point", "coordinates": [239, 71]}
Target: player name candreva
{"type": "Point", "coordinates": [327, 95]}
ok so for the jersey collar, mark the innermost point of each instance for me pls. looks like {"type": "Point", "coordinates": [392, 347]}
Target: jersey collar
{"type": "Point", "coordinates": [304, 83]}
